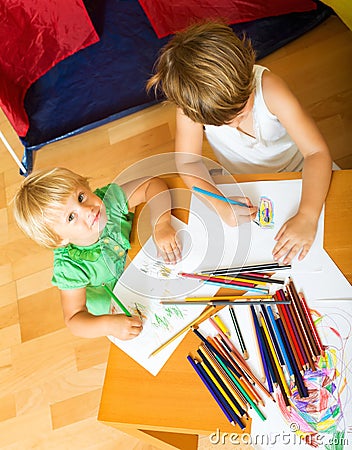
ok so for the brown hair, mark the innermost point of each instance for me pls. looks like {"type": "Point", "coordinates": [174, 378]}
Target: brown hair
{"type": "Point", "coordinates": [207, 71]}
{"type": "Point", "coordinates": [37, 201]}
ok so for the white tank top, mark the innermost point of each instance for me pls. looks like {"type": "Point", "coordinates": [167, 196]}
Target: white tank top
{"type": "Point", "coordinates": [271, 150]}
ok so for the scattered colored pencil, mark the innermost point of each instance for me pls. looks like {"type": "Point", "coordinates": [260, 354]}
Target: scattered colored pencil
{"type": "Point", "coordinates": [211, 389]}
{"type": "Point", "coordinates": [226, 302]}
{"type": "Point", "coordinates": [238, 332]}
{"type": "Point", "coordinates": [266, 267]}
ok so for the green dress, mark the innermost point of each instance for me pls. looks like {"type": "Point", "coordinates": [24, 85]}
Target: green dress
{"type": "Point", "coordinates": [103, 262]}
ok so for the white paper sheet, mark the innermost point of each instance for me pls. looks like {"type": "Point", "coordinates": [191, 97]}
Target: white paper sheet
{"type": "Point", "coordinates": [145, 282]}
{"type": "Point", "coordinates": [248, 243]}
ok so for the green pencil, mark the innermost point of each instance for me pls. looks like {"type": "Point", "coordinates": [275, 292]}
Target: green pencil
{"type": "Point", "coordinates": [121, 305]}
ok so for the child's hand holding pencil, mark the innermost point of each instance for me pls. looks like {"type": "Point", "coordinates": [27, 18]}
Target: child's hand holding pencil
{"type": "Point", "coordinates": [234, 211]}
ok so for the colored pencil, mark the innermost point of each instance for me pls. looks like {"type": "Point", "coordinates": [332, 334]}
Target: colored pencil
{"type": "Point", "coordinates": [226, 302]}
{"type": "Point", "coordinates": [240, 280]}
{"type": "Point", "coordinates": [218, 379]}
{"type": "Point", "coordinates": [221, 353]}
{"type": "Point", "coordinates": [261, 349]}
{"type": "Point", "coordinates": [211, 389]}
{"type": "Point", "coordinates": [312, 325]}
{"type": "Point", "coordinates": [243, 277]}
{"type": "Point", "coordinates": [268, 356]}
{"type": "Point", "coordinates": [266, 267]}
{"type": "Point", "coordinates": [272, 335]}
{"type": "Point", "coordinates": [275, 374]}
{"type": "Point", "coordinates": [243, 377]}
{"type": "Point", "coordinates": [238, 384]}
{"type": "Point", "coordinates": [121, 305]}
{"type": "Point", "coordinates": [241, 361]}
{"type": "Point", "coordinates": [302, 390]}
{"type": "Point", "coordinates": [218, 196]}
{"type": "Point", "coordinates": [221, 325]}
{"type": "Point", "coordinates": [225, 282]}
{"type": "Point", "coordinates": [235, 286]}
{"type": "Point", "coordinates": [304, 316]}
{"type": "Point", "coordinates": [275, 358]}
{"type": "Point", "coordinates": [203, 316]}
{"type": "Point", "coordinates": [291, 341]}
{"type": "Point", "coordinates": [238, 332]}
{"type": "Point", "coordinates": [228, 297]}
{"type": "Point", "coordinates": [214, 350]}
{"type": "Point", "coordinates": [280, 341]}
{"type": "Point", "coordinates": [302, 339]}
{"type": "Point", "coordinates": [242, 405]}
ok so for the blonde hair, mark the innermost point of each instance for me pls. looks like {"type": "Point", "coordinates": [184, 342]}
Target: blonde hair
{"type": "Point", "coordinates": [38, 199]}
{"type": "Point", "coordinates": [207, 71]}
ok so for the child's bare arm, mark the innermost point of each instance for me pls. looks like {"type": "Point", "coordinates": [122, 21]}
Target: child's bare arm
{"type": "Point", "coordinates": [84, 324]}
{"type": "Point", "coordinates": [191, 167]}
{"type": "Point", "coordinates": [155, 192]}
{"type": "Point", "coordinates": [297, 234]}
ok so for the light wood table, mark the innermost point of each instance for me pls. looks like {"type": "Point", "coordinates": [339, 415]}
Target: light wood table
{"type": "Point", "coordinates": [173, 408]}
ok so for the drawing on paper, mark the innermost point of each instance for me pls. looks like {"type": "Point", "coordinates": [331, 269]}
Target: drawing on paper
{"type": "Point", "coordinates": [159, 320]}
{"type": "Point", "coordinates": [157, 269]}
{"type": "Point", "coordinates": [265, 216]}
{"type": "Point", "coordinates": [322, 418]}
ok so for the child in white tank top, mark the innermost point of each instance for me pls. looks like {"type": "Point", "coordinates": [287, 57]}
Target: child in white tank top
{"type": "Point", "coordinates": [252, 121]}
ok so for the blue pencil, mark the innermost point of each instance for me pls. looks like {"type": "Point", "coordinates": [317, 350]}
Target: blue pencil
{"type": "Point", "coordinates": [280, 341]}
{"type": "Point", "coordinates": [197, 368]}
{"type": "Point", "coordinates": [219, 197]}
{"type": "Point", "coordinates": [273, 336]}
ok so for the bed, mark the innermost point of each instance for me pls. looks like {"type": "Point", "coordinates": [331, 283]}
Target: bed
{"type": "Point", "coordinates": [105, 80]}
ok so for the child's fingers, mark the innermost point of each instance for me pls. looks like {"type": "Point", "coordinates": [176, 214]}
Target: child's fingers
{"type": "Point", "coordinates": [245, 214]}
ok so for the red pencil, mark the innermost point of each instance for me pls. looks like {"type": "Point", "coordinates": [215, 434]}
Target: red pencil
{"type": "Point", "coordinates": [312, 325]}
{"type": "Point", "coordinates": [284, 315]}
{"type": "Point", "coordinates": [223, 280]}
{"type": "Point", "coordinates": [304, 338]}
{"type": "Point", "coordinates": [304, 318]}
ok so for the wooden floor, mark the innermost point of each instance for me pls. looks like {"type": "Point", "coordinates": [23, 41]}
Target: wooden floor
{"type": "Point", "coordinates": [50, 380]}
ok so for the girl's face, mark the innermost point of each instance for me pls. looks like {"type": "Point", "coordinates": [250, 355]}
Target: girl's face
{"type": "Point", "coordinates": [82, 219]}
{"type": "Point", "coordinates": [243, 114]}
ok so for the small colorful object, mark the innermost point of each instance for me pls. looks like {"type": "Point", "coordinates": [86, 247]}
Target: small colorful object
{"type": "Point", "coordinates": [265, 217]}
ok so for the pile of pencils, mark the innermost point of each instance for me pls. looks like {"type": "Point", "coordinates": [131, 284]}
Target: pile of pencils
{"type": "Point", "coordinates": [228, 377]}
{"type": "Point", "coordinates": [288, 342]}
{"type": "Point", "coordinates": [288, 345]}
{"type": "Point", "coordinates": [248, 278]}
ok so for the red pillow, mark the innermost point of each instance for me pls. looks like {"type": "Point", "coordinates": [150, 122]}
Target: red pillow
{"type": "Point", "coordinates": [167, 17]}
{"type": "Point", "coordinates": [34, 36]}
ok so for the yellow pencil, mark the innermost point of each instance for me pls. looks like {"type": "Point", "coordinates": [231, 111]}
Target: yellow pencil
{"type": "Point", "coordinates": [245, 280]}
{"type": "Point", "coordinates": [208, 311]}
{"type": "Point", "coordinates": [221, 325]}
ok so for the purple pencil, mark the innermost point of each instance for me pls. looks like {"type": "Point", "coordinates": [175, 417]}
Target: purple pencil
{"type": "Point", "coordinates": [261, 349]}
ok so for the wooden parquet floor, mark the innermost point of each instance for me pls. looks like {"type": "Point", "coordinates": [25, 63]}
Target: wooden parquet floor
{"type": "Point", "coordinates": [50, 380]}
